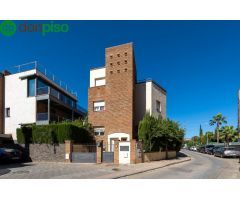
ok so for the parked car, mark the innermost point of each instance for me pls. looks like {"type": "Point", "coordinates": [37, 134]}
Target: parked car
{"type": "Point", "coordinates": [207, 147]}
{"type": "Point", "coordinates": [201, 149]}
{"type": "Point", "coordinates": [209, 150]}
{"type": "Point", "coordinates": [10, 154]}
{"type": "Point", "coordinates": [193, 148]}
{"type": "Point", "coordinates": [227, 152]}
{"type": "Point", "coordinates": [4, 156]}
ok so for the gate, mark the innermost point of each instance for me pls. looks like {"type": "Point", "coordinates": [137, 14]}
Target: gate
{"type": "Point", "coordinates": [84, 153]}
{"type": "Point", "coordinates": [108, 157]}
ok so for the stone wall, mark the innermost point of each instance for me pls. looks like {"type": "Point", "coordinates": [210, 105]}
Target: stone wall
{"type": "Point", "coordinates": [156, 156]}
{"type": "Point", "coordinates": [47, 153]}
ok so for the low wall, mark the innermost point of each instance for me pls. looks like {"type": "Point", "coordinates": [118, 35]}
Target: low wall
{"type": "Point", "coordinates": [161, 155]}
{"type": "Point", "coordinates": [47, 152]}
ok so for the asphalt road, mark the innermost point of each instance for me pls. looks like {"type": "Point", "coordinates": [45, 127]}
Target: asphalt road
{"type": "Point", "coordinates": [201, 166]}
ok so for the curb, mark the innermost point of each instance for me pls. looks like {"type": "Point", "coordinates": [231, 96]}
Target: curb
{"type": "Point", "coordinates": [142, 171]}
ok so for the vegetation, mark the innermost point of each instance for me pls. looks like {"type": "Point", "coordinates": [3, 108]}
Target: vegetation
{"type": "Point", "coordinates": [78, 131]}
{"type": "Point", "coordinates": [222, 134]}
{"type": "Point", "coordinates": [217, 120]}
{"type": "Point", "coordinates": [160, 134]}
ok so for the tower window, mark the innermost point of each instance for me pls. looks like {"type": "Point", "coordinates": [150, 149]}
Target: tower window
{"type": "Point", "coordinates": [125, 54]}
{"type": "Point", "coordinates": [118, 63]}
{"type": "Point", "coordinates": [111, 72]}
{"type": "Point", "coordinates": [125, 61]}
{"type": "Point", "coordinates": [118, 54]}
{"type": "Point", "coordinates": [111, 56]}
{"type": "Point", "coordinates": [111, 64]}
{"type": "Point", "coordinates": [118, 71]}
{"type": "Point", "coordinates": [125, 69]}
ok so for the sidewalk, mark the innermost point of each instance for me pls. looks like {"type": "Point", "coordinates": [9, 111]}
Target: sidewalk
{"type": "Point", "coordinates": [128, 170]}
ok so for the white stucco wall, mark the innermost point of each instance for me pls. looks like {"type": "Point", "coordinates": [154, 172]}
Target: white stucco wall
{"type": "Point", "coordinates": [96, 73]}
{"type": "Point", "coordinates": [22, 108]}
{"type": "Point", "coordinates": [149, 97]}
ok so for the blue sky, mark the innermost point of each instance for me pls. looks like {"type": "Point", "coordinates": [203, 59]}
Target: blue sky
{"type": "Point", "coordinates": [197, 62]}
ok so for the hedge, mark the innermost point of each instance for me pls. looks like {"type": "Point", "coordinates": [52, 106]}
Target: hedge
{"type": "Point", "coordinates": [53, 134]}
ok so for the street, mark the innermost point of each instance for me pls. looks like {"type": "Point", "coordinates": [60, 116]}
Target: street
{"type": "Point", "coordinates": [201, 166]}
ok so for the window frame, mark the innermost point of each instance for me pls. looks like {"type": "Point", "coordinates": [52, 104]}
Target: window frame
{"type": "Point", "coordinates": [7, 112]}
{"type": "Point", "coordinates": [28, 87]}
{"type": "Point", "coordinates": [99, 79]}
{"type": "Point", "coordinates": [160, 106]}
{"type": "Point", "coordinates": [101, 131]}
{"type": "Point", "coordinates": [101, 108]}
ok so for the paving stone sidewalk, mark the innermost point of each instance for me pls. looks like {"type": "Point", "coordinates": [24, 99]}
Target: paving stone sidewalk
{"type": "Point", "coordinates": [79, 170]}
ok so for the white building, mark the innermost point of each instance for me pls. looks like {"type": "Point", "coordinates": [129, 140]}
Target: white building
{"type": "Point", "coordinates": [30, 97]}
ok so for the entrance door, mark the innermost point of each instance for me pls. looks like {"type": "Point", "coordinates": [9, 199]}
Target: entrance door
{"type": "Point", "coordinates": [111, 149]}
{"type": "Point", "coordinates": [124, 152]}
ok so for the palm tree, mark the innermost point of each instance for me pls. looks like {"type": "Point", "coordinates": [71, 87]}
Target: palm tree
{"type": "Point", "coordinates": [218, 120]}
{"type": "Point", "coordinates": [228, 134]}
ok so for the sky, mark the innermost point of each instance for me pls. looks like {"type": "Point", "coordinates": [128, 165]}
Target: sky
{"type": "Point", "coordinates": [197, 62]}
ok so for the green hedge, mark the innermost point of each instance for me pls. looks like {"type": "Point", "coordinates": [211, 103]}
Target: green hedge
{"type": "Point", "coordinates": [54, 134]}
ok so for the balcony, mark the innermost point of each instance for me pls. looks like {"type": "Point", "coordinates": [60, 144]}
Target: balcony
{"type": "Point", "coordinates": [58, 95]}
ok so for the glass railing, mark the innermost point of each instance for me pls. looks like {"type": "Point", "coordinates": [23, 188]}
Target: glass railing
{"type": "Point", "coordinates": [58, 95]}
{"type": "Point", "coordinates": [42, 91]}
{"type": "Point", "coordinates": [42, 116]}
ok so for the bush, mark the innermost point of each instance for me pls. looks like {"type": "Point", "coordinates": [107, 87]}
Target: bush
{"type": "Point", "coordinates": [158, 133]}
{"type": "Point", "coordinates": [55, 134]}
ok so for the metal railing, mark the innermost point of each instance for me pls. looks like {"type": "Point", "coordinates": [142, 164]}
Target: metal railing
{"type": "Point", "coordinates": [36, 65]}
{"type": "Point", "coordinates": [42, 116]}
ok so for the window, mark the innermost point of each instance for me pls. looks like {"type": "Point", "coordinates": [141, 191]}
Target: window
{"type": "Point", "coordinates": [111, 72]}
{"type": "Point", "coordinates": [158, 106]}
{"type": "Point", "coordinates": [118, 54]}
{"type": "Point", "coordinates": [99, 131]}
{"type": "Point", "coordinates": [125, 54]}
{"type": "Point", "coordinates": [111, 56]}
{"type": "Point", "coordinates": [7, 112]}
{"type": "Point", "coordinates": [100, 81]}
{"type": "Point", "coordinates": [118, 63]}
{"type": "Point", "coordinates": [31, 87]}
{"type": "Point", "coordinates": [125, 61]}
{"type": "Point", "coordinates": [125, 69]}
{"type": "Point", "coordinates": [111, 64]}
{"type": "Point", "coordinates": [118, 71]}
{"type": "Point", "coordinates": [98, 106]}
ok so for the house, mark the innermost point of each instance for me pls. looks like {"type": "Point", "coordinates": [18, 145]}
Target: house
{"type": "Point", "coordinates": [117, 101]}
{"type": "Point", "coordinates": [31, 97]}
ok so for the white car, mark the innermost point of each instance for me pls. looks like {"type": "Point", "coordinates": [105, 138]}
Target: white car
{"type": "Point", "coordinates": [193, 148]}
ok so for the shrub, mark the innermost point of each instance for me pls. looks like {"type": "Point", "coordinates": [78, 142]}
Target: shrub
{"type": "Point", "coordinates": [56, 133]}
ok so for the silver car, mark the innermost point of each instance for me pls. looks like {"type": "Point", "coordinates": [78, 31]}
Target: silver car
{"type": "Point", "coordinates": [227, 152]}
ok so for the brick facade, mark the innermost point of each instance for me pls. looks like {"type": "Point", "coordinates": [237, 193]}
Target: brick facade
{"type": "Point", "coordinates": [125, 100]}
{"type": "Point", "coordinates": [118, 93]}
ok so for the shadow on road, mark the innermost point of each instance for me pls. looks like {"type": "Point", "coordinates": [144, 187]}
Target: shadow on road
{"type": "Point", "coordinates": [181, 155]}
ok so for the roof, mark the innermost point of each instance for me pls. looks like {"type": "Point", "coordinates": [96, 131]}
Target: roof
{"type": "Point", "coordinates": [154, 82]}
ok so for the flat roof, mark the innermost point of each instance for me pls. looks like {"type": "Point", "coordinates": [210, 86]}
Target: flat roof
{"type": "Point", "coordinates": [154, 82]}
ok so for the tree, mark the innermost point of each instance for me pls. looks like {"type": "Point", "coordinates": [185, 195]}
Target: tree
{"type": "Point", "coordinates": [147, 131]}
{"type": "Point", "coordinates": [201, 135]}
{"type": "Point", "coordinates": [228, 134]}
{"type": "Point", "coordinates": [158, 133]}
{"type": "Point", "coordinates": [218, 120]}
